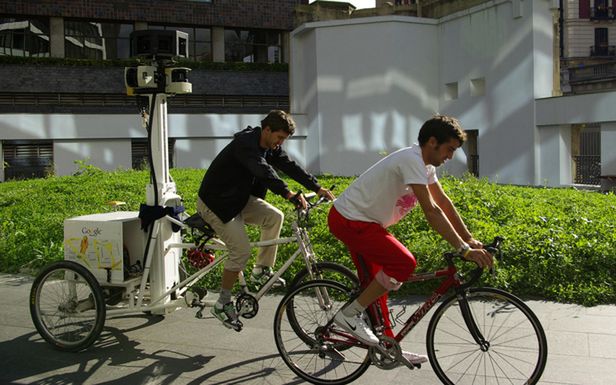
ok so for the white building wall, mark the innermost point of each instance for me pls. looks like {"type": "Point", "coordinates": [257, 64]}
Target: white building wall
{"type": "Point", "coordinates": [608, 155]}
{"type": "Point", "coordinates": [512, 51]}
{"type": "Point", "coordinates": [1, 163]}
{"type": "Point", "coordinates": [377, 79]}
{"type": "Point", "coordinates": [104, 153]}
{"type": "Point", "coordinates": [371, 83]}
{"type": "Point", "coordinates": [105, 140]}
{"type": "Point", "coordinates": [555, 157]}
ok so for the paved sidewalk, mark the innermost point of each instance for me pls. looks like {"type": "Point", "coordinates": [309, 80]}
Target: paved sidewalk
{"type": "Point", "coordinates": [180, 349]}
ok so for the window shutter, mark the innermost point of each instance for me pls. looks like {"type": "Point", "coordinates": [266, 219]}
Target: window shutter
{"type": "Point", "coordinates": [584, 9]}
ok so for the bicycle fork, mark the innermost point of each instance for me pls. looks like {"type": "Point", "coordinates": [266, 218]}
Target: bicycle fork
{"type": "Point", "coordinates": [469, 320]}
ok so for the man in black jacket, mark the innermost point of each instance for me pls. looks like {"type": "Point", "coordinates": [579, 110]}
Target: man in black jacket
{"type": "Point", "coordinates": [232, 194]}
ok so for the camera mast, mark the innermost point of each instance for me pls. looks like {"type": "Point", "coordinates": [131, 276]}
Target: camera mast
{"type": "Point", "coordinates": [152, 83]}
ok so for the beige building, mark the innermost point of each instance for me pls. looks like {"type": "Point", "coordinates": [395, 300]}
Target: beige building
{"type": "Point", "coordinates": [588, 46]}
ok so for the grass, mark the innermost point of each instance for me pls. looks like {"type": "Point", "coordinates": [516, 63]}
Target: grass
{"type": "Point", "coordinates": [559, 242]}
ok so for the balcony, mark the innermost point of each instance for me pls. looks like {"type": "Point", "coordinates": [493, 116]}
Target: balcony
{"type": "Point", "coordinates": [601, 13]}
{"type": "Point", "coordinates": [603, 50]}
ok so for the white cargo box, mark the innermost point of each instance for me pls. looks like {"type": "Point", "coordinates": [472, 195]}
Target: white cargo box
{"type": "Point", "coordinates": [105, 243]}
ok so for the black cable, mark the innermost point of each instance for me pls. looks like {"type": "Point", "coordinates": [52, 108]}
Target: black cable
{"type": "Point", "coordinates": [152, 174]}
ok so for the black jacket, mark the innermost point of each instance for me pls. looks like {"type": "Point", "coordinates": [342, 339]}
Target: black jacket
{"type": "Point", "coordinates": [242, 169]}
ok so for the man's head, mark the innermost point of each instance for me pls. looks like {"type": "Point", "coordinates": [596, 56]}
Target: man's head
{"type": "Point", "coordinates": [276, 128]}
{"type": "Point", "coordinates": [439, 138]}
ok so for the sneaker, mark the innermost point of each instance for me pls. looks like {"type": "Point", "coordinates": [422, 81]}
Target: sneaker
{"type": "Point", "coordinates": [414, 358]}
{"type": "Point", "coordinates": [357, 327]}
{"type": "Point", "coordinates": [260, 276]}
{"type": "Point", "coordinates": [227, 315]}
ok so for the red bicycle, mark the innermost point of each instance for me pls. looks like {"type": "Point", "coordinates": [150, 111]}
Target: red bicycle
{"type": "Point", "coordinates": [478, 335]}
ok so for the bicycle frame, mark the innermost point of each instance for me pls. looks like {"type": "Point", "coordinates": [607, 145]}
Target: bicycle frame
{"type": "Point", "coordinates": [452, 279]}
{"type": "Point", "coordinates": [137, 304]}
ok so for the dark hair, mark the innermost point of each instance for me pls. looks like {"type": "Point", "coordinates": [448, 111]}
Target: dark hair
{"type": "Point", "coordinates": [443, 128]}
{"type": "Point", "coordinates": [278, 120]}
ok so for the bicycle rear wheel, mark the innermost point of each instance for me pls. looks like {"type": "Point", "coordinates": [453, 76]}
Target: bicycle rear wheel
{"type": "Point", "coordinates": [67, 306]}
{"type": "Point", "coordinates": [318, 354]}
{"type": "Point", "coordinates": [327, 270]}
{"type": "Point", "coordinates": [516, 349]}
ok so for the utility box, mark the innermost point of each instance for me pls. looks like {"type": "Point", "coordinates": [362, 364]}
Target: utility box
{"type": "Point", "coordinates": [107, 244]}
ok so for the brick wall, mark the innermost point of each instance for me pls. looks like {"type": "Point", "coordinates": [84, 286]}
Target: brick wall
{"type": "Point", "coordinates": [76, 79]}
{"type": "Point", "coordinates": [273, 14]}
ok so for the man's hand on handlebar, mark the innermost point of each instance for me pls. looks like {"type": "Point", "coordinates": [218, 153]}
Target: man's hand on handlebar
{"type": "Point", "coordinates": [297, 199]}
{"type": "Point", "coordinates": [474, 244]}
{"type": "Point", "coordinates": [481, 257]}
{"type": "Point", "coordinates": [325, 193]}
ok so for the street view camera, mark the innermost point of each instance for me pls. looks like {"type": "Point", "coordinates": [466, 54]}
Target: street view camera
{"type": "Point", "coordinates": [158, 50]}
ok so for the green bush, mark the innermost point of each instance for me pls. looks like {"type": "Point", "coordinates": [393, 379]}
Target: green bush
{"type": "Point", "coordinates": [559, 242]}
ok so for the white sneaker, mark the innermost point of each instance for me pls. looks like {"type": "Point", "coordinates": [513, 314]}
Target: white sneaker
{"type": "Point", "coordinates": [357, 327]}
{"type": "Point", "coordinates": [414, 358]}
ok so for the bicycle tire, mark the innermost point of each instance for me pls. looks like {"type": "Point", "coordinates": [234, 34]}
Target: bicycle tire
{"type": "Point", "coordinates": [512, 330]}
{"type": "Point", "coordinates": [67, 306]}
{"type": "Point", "coordinates": [319, 361]}
{"type": "Point", "coordinates": [323, 270]}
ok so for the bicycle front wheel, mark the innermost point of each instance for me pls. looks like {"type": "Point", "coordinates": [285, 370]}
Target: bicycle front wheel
{"type": "Point", "coordinates": [515, 348]}
{"type": "Point", "coordinates": [67, 306]}
{"type": "Point", "coordinates": [309, 343]}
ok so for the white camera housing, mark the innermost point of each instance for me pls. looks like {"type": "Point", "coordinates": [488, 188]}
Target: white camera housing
{"type": "Point", "coordinates": [140, 77]}
{"type": "Point", "coordinates": [177, 80]}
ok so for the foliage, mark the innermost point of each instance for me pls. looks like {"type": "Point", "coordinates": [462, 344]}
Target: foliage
{"type": "Point", "coordinates": [559, 242]}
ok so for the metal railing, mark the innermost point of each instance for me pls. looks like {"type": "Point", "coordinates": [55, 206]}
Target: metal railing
{"type": "Point", "coordinates": [605, 71]}
{"type": "Point", "coordinates": [603, 50]}
{"type": "Point", "coordinates": [587, 169]}
{"type": "Point", "coordinates": [601, 13]}
{"type": "Point", "coordinates": [120, 100]}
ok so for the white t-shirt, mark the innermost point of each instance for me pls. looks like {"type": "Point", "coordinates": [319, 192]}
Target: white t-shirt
{"type": "Point", "coordinates": [382, 193]}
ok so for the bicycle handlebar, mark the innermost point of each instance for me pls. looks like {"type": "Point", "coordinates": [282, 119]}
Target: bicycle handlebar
{"type": "Point", "coordinates": [303, 214]}
{"type": "Point", "coordinates": [493, 248]}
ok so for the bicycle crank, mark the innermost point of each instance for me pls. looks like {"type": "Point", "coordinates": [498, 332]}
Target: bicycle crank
{"type": "Point", "coordinates": [385, 354]}
{"type": "Point", "coordinates": [247, 306]}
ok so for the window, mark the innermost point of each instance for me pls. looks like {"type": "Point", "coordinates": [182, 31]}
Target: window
{"type": "Point", "coordinates": [140, 152]}
{"type": "Point", "coordinates": [98, 41]}
{"type": "Point", "coordinates": [478, 87]}
{"type": "Point", "coordinates": [199, 40]}
{"type": "Point", "coordinates": [584, 9]}
{"type": "Point", "coordinates": [600, 10]}
{"type": "Point", "coordinates": [472, 155]}
{"type": "Point", "coordinates": [27, 159]}
{"type": "Point", "coordinates": [601, 47]}
{"type": "Point", "coordinates": [586, 152]}
{"type": "Point", "coordinates": [451, 91]}
{"type": "Point", "coordinates": [253, 46]}
{"type": "Point", "coordinates": [24, 37]}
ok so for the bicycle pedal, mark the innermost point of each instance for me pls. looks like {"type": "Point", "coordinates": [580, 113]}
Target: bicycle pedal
{"type": "Point", "coordinates": [237, 326]}
{"type": "Point", "coordinates": [408, 364]}
{"type": "Point", "coordinates": [331, 352]}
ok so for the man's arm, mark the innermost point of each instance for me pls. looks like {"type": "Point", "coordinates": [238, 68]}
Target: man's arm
{"type": "Point", "coordinates": [281, 160]}
{"type": "Point", "coordinates": [443, 201]}
{"type": "Point", "coordinates": [440, 223]}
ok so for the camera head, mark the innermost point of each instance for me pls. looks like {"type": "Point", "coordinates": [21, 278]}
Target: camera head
{"type": "Point", "coordinates": [158, 49]}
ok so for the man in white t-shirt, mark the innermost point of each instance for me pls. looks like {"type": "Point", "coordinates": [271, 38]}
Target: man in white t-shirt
{"type": "Point", "coordinates": [379, 198]}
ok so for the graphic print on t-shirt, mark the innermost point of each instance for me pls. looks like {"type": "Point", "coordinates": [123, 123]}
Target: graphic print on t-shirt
{"type": "Point", "coordinates": [406, 203]}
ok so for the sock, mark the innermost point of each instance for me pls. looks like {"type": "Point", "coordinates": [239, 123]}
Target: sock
{"type": "Point", "coordinates": [353, 309]}
{"type": "Point", "coordinates": [258, 269]}
{"type": "Point", "coordinates": [225, 297]}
